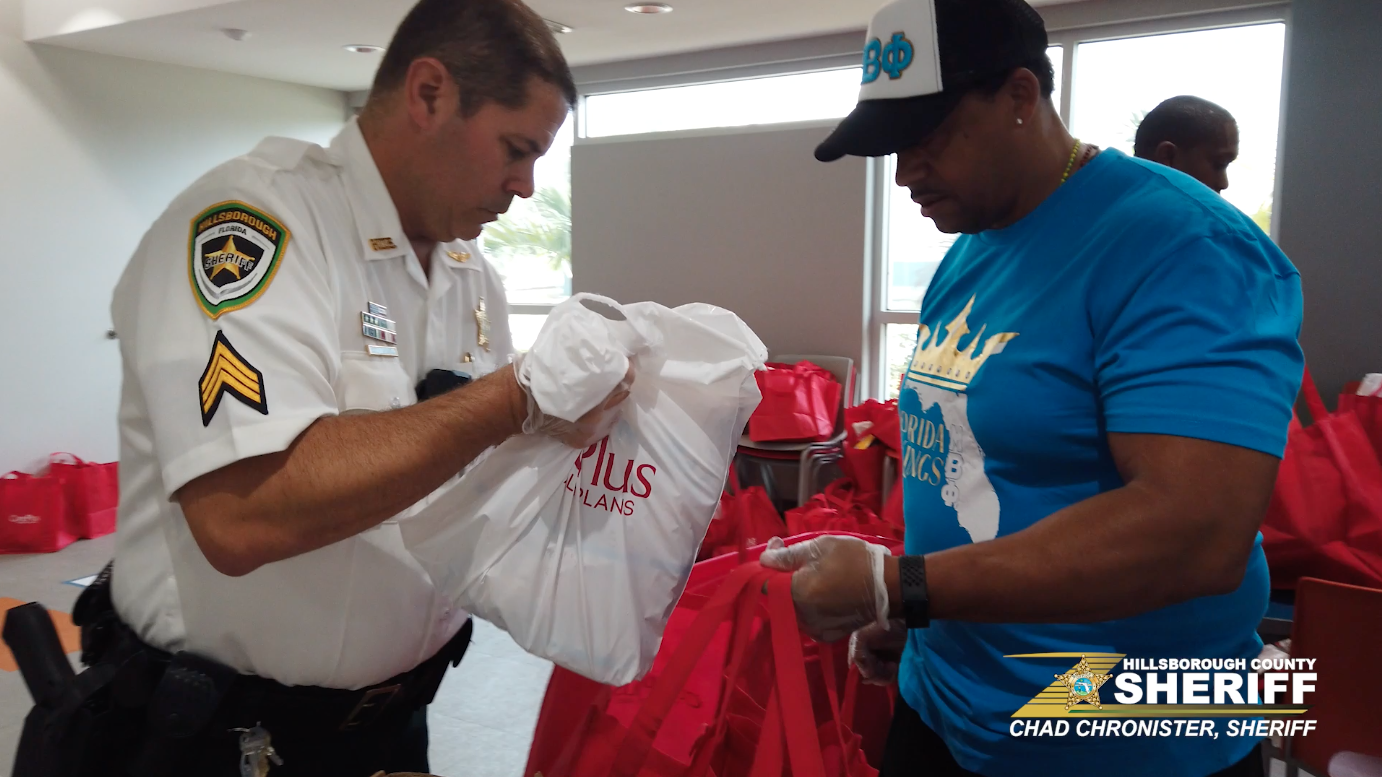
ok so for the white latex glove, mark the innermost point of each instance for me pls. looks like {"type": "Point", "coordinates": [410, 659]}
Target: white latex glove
{"type": "Point", "coordinates": [586, 430]}
{"type": "Point", "coordinates": [877, 651]}
{"type": "Point", "coordinates": [837, 583]}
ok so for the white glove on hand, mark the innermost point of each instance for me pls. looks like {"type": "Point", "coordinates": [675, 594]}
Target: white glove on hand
{"type": "Point", "coordinates": [837, 583]}
{"type": "Point", "coordinates": [877, 651]}
{"type": "Point", "coordinates": [585, 431]}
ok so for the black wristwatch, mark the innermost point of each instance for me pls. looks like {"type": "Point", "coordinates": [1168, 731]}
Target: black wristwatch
{"type": "Point", "coordinates": [916, 605]}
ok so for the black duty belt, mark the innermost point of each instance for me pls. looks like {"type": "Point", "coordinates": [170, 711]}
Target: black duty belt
{"type": "Point", "coordinates": [289, 712]}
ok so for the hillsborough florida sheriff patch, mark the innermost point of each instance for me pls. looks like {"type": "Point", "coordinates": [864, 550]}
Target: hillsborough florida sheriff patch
{"type": "Point", "coordinates": [234, 252]}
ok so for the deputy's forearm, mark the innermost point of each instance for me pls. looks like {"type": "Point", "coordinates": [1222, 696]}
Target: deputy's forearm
{"type": "Point", "coordinates": [344, 475]}
{"type": "Point", "coordinates": [1115, 555]}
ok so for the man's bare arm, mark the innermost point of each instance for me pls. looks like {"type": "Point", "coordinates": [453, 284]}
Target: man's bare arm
{"type": "Point", "coordinates": [345, 474]}
{"type": "Point", "coordinates": [1182, 527]}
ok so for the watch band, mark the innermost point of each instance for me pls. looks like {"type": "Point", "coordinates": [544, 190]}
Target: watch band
{"type": "Point", "coordinates": [916, 604]}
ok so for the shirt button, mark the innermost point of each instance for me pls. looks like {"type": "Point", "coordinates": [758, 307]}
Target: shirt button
{"type": "Point", "coordinates": [395, 403]}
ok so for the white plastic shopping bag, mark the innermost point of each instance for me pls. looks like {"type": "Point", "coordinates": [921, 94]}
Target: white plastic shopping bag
{"type": "Point", "coordinates": [581, 555]}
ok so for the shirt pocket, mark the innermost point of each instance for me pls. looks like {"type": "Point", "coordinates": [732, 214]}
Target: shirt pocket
{"type": "Point", "coordinates": [372, 384]}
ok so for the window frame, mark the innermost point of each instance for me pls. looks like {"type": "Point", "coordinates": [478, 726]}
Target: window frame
{"type": "Point", "coordinates": [1068, 39]}
{"type": "Point", "coordinates": [545, 308]}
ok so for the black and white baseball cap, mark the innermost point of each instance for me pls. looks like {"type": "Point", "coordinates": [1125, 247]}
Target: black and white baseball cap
{"type": "Point", "coordinates": [920, 57]}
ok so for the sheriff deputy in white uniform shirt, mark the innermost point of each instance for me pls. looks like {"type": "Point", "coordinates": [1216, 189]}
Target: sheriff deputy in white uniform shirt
{"type": "Point", "coordinates": [274, 323]}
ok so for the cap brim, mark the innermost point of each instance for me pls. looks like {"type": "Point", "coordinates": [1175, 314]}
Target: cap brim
{"type": "Point", "coordinates": [883, 127]}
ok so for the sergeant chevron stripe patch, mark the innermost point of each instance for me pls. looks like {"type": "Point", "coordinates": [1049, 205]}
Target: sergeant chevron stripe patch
{"type": "Point", "coordinates": [227, 372]}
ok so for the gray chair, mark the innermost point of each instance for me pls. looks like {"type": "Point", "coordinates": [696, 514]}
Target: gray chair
{"type": "Point", "coordinates": [809, 456]}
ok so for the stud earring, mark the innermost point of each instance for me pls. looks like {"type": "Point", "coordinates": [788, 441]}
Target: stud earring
{"type": "Point", "coordinates": [1019, 121]}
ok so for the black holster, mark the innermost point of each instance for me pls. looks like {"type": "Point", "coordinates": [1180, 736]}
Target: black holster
{"type": "Point", "coordinates": [69, 726]}
{"type": "Point", "coordinates": [129, 712]}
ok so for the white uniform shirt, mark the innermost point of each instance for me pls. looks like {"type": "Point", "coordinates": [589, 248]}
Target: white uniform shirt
{"type": "Point", "coordinates": [240, 322]}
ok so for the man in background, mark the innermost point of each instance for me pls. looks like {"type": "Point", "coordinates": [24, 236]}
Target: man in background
{"type": "Point", "coordinates": [1192, 135]}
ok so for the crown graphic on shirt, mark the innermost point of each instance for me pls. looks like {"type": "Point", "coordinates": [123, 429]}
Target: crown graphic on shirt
{"type": "Point", "coordinates": [941, 362]}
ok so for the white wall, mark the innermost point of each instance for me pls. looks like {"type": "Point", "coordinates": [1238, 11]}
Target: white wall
{"type": "Point", "coordinates": [1331, 170]}
{"type": "Point", "coordinates": [745, 219]}
{"type": "Point", "coordinates": [92, 148]}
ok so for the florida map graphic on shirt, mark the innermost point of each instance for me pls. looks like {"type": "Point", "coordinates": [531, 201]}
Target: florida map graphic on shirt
{"type": "Point", "coordinates": [948, 455]}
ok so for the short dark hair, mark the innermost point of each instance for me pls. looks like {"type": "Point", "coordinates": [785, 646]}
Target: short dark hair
{"type": "Point", "coordinates": [1186, 120]}
{"type": "Point", "coordinates": [491, 48]}
{"type": "Point", "coordinates": [1040, 66]}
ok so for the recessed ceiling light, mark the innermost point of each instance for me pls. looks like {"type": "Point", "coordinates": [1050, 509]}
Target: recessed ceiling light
{"type": "Point", "coordinates": [363, 48]}
{"type": "Point", "coordinates": [648, 8]}
{"type": "Point", "coordinates": [558, 27]}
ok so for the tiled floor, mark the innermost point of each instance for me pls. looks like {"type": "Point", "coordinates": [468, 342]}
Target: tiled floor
{"type": "Point", "coordinates": [481, 722]}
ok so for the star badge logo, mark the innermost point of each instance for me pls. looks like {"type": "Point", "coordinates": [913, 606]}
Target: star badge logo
{"type": "Point", "coordinates": [1083, 685]}
{"type": "Point", "coordinates": [230, 259]}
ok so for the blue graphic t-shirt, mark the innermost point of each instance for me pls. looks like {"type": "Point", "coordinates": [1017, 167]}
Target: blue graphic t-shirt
{"type": "Point", "coordinates": [1133, 299]}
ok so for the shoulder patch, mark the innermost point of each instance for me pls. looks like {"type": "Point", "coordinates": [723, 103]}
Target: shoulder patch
{"type": "Point", "coordinates": [234, 251]}
{"type": "Point", "coordinates": [227, 372]}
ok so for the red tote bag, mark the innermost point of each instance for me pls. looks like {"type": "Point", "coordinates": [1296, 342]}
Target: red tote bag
{"type": "Point", "coordinates": [840, 508]}
{"type": "Point", "coordinates": [1368, 409]}
{"type": "Point", "coordinates": [33, 514]}
{"type": "Point", "coordinates": [800, 403]}
{"type": "Point", "coordinates": [1325, 516]}
{"type": "Point", "coordinates": [93, 494]}
{"type": "Point", "coordinates": [871, 431]}
{"type": "Point", "coordinates": [746, 518]}
{"type": "Point", "coordinates": [734, 691]}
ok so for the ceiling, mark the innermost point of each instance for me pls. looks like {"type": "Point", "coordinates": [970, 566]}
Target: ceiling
{"type": "Point", "coordinates": [301, 40]}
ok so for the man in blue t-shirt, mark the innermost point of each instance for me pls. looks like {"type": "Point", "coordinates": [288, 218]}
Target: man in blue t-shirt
{"type": "Point", "coordinates": [1091, 422]}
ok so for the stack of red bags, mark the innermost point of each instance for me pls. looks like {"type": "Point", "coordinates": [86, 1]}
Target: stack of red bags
{"type": "Point", "coordinates": [1325, 517]}
{"type": "Point", "coordinates": [45, 513]}
{"type": "Point", "coordinates": [800, 402]}
{"type": "Point", "coordinates": [1366, 404]}
{"type": "Point", "coordinates": [854, 503]}
{"type": "Point", "coordinates": [736, 691]}
{"type": "Point", "coordinates": [746, 518]}
{"type": "Point", "coordinates": [840, 508]}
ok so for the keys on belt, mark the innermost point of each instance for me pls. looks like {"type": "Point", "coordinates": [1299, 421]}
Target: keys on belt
{"type": "Point", "coordinates": [256, 751]}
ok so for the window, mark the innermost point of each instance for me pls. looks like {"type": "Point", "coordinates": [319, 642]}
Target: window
{"type": "Point", "coordinates": [1116, 75]}
{"type": "Point", "coordinates": [1057, 56]}
{"type": "Point", "coordinates": [530, 245]}
{"type": "Point", "coordinates": [912, 250]}
{"type": "Point", "coordinates": [1118, 81]}
{"type": "Point", "coordinates": [825, 94]}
